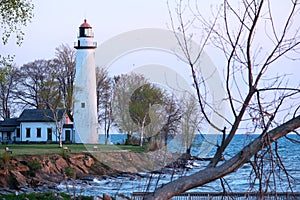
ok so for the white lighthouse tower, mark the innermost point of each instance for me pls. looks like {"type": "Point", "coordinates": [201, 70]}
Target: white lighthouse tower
{"type": "Point", "coordinates": [85, 102]}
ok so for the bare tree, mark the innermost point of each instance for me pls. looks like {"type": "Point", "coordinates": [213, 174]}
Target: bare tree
{"type": "Point", "coordinates": [252, 41]}
{"type": "Point", "coordinates": [38, 84]}
{"type": "Point", "coordinates": [190, 120]}
{"type": "Point", "coordinates": [59, 118]}
{"type": "Point", "coordinates": [65, 75]}
{"type": "Point", "coordinates": [104, 97]}
{"type": "Point", "coordinates": [8, 87]}
{"type": "Point", "coordinates": [172, 118]}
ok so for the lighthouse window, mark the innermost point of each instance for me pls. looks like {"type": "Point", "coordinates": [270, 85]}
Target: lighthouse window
{"type": "Point", "coordinates": [82, 105]}
{"type": "Point", "coordinates": [88, 32]}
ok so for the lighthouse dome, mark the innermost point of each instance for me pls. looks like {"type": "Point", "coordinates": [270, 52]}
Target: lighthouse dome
{"type": "Point", "coordinates": [85, 37]}
{"type": "Point", "coordinates": [85, 25]}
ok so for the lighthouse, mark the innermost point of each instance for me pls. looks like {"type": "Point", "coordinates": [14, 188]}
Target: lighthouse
{"type": "Point", "coordinates": [85, 102]}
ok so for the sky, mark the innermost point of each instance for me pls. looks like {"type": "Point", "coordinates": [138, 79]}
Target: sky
{"type": "Point", "coordinates": [56, 22]}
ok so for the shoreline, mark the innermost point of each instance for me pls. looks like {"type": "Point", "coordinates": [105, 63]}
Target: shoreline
{"type": "Point", "coordinates": [44, 172]}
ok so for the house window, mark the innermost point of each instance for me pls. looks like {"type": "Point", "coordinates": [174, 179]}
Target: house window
{"type": "Point", "coordinates": [18, 133]}
{"type": "Point", "coordinates": [28, 132]}
{"type": "Point", "coordinates": [49, 134]}
{"type": "Point", "coordinates": [38, 132]}
{"type": "Point", "coordinates": [82, 105]}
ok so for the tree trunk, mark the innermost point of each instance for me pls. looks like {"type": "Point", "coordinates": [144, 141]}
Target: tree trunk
{"type": "Point", "coordinates": [60, 139]}
{"type": "Point", "coordinates": [213, 173]}
{"type": "Point", "coordinates": [142, 131]}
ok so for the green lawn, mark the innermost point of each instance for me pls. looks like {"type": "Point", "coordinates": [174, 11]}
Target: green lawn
{"type": "Point", "coordinates": [37, 149]}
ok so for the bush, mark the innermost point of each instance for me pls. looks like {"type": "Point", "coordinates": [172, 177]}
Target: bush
{"type": "Point", "coordinates": [70, 172]}
{"type": "Point", "coordinates": [64, 153]}
{"type": "Point", "coordinates": [6, 157]}
{"type": "Point", "coordinates": [34, 165]}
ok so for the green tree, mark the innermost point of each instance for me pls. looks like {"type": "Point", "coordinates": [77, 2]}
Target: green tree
{"type": "Point", "coordinates": [124, 87]}
{"type": "Point", "coordinates": [141, 102]}
{"type": "Point", "coordinates": [15, 14]}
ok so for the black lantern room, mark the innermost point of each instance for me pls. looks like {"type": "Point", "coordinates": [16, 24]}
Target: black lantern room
{"type": "Point", "coordinates": [85, 30]}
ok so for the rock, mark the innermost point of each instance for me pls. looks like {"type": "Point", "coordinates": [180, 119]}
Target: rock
{"type": "Point", "coordinates": [106, 197]}
{"type": "Point", "coordinates": [61, 164]}
{"type": "Point", "coordinates": [42, 188]}
{"type": "Point", "coordinates": [89, 161]}
{"type": "Point", "coordinates": [4, 172]}
{"type": "Point", "coordinates": [78, 156]}
{"type": "Point", "coordinates": [19, 178]}
{"type": "Point", "coordinates": [23, 162]}
{"type": "Point", "coordinates": [50, 167]}
{"type": "Point", "coordinates": [122, 197]}
{"type": "Point", "coordinates": [26, 190]}
{"type": "Point", "coordinates": [79, 166]}
{"type": "Point", "coordinates": [6, 191]}
{"type": "Point", "coordinates": [23, 168]}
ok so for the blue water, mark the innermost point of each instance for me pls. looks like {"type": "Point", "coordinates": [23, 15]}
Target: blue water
{"type": "Point", "coordinates": [113, 138]}
{"type": "Point", "coordinates": [236, 182]}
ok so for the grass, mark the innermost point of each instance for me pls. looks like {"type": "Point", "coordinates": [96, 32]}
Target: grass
{"type": "Point", "coordinates": [38, 149]}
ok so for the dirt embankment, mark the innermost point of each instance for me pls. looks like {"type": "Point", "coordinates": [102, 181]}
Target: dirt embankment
{"type": "Point", "coordinates": [23, 172]}
{"type": "Point", "coordinates": [48, 170]}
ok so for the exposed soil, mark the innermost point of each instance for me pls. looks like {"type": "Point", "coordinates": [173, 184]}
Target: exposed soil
{"type": "Point", "coordinates": [40, 170]}
{"type": "Point", "coordinates": [25, 173]}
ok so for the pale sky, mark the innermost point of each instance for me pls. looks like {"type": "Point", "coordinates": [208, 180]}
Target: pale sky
{"type": "Point", "coordinates": [56, 22]}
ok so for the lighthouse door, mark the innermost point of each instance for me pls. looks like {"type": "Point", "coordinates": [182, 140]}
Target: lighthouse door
{"type": "Point", "coordinates": [68, 135]}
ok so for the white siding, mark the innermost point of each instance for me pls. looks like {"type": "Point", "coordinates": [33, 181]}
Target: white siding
{"type": "Point", "coordinates": [33, 131]}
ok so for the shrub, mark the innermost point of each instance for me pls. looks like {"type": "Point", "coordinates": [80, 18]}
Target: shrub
{"type": "Point", "coordinates": [64, 153]}
{"type": "Point", "coordinates": [34, 165]}
{"type": "Point", "coordinates": [6, 157]}
{"type": "Point", "coordinates": [70, 172]}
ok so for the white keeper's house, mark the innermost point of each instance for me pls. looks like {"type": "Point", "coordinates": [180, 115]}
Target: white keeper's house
{"type": "Point", "coordinates": [36, 126]}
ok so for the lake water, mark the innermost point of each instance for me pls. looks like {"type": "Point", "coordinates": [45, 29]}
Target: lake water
{"type": "Point", "coordinates": [236, 182]}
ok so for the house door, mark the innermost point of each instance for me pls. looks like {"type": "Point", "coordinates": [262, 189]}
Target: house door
{"type": "Point", "coordinates": [68, 136]}
{"type": "Point", "coordinates": [49, 134]}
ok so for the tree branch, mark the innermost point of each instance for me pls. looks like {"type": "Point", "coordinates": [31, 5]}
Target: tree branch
{"type": "Point", "coordinates": [213, 173]}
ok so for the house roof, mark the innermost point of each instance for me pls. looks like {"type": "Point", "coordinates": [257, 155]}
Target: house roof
{"type": "Point", "coordinates": [37, 115]}
{"type": "Point", "coordinates": [7, 129]}
{"type": "Point", "coordinates": [9, 124]}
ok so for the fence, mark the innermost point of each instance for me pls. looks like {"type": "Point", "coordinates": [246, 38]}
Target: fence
{"type": "Point", "coordinates": [235, 196]}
